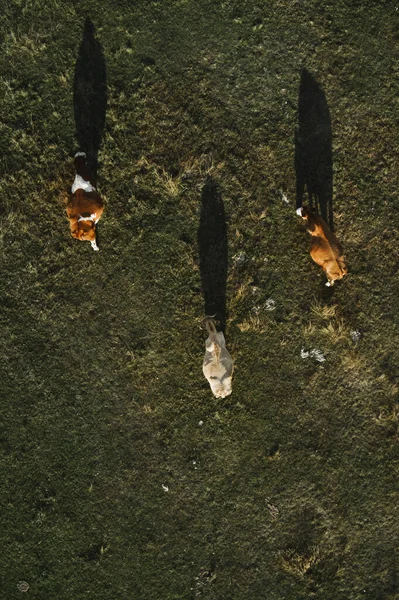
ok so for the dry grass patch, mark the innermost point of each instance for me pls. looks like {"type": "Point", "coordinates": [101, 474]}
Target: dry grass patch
{"type": "Point", "coordinates": [299, 564]}
{"type": "Point", "coordinates": [323, 311]}
{"type": "Point", "coordinates": [253, 324]}
{"type": "Point", "coordinates": [201, 166]}
{"type": "Point", "coordinates": [327, 323]}
{"type": "Point", "coordinates": [387, 417]}
{"type": "Point", "coordinates": [336, 332]}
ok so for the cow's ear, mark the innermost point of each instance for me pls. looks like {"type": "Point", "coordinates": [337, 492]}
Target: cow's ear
{"type": "Point", "coordinates": [65, 196]}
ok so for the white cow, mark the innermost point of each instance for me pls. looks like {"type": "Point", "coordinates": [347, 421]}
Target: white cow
{"type": "Point", "coordinates": [218, 364]}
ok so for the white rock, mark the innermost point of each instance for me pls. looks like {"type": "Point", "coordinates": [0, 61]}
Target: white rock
{"type": "Point", "coordinates": [284, 197]}
{"type": "Point", "coordinates": [317, 354]}
{"type": "Point", "coordinates": [314, 353]}
{"type": "Point", "coordinates": [270, 304]}
{"type": "Point", "coordinates": [355, 335]}
{"type": "Point", "coordinates": [239, 258]}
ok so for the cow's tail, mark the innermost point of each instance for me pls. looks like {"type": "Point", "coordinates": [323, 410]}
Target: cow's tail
{"type": "Point", "coordinates": [80, 161]}
{"type": "Point", "coordinates": [209, 324]}
{"type": "Point", "coordinates": [82, 167]}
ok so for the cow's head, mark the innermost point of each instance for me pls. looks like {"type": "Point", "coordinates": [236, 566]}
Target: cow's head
{"type": "Point", "coordinates": [304, 212]}
{"type": "Point", "coordinates": [85, 232]}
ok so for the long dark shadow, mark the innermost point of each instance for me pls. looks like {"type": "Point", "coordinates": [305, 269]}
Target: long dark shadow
{"type": "Point", "coordinates": [212, 241]}
{"type": "Point", "coordinates": [90, 95]}
{"type": "Point", "coordinates": [313, 149]}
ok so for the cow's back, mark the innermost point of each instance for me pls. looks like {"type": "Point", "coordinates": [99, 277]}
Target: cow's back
{"type": "Point", "coordinates": [82, 201]}
{"type": "Point", "coordinates": [328, 258]}
{"type": "Point", "coordinates": [218, 365]}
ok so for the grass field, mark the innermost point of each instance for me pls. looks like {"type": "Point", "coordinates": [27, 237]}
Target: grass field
{"type": "Point", "coordinates": [122, 477]}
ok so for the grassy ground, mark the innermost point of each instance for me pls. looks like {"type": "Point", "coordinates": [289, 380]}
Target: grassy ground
{"type": "Point", "coordinates": [121, 476]}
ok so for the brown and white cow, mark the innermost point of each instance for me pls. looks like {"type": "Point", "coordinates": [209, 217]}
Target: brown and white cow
{"type": "Point", "coordinates": [326, 250]}
{"type": "Point", "coordinates": [218, 364]}
{"type": "Point", "coordinates": [85, 206]}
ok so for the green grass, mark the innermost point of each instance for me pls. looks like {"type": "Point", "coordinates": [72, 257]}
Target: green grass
{"type": "Point", "coordinates": [288, 488]}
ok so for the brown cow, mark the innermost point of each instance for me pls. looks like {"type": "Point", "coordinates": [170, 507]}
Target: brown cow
{"type": "Point", "coordinates": [218, 364]}
{"type": "Point", "coordinates": [326, 250]}
{"type": "Point", "coordinates": [85, 206]}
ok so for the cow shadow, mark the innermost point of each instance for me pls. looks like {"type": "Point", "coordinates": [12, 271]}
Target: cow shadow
{"type": "Point", "coordinates": [313, 149]}
{"type": "Point", "coordinates": [90, 95]}
{"type": "Point", "coordinates": [212, 242]}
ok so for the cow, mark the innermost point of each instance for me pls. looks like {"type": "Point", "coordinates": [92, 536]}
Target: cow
{"type": "Point", "coordinates": [218, 364]}
{"type": "Point", "coordinates": [326, 250]}
{"type": "Point", "coordinates": [85, 205]}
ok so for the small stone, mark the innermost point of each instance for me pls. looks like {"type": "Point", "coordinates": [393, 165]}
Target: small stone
{"type": "Point", "coordinates": [355, 335]}
{"type": "Point", "coordinates": [314, 353]}
{"type": "Point", "coordinates": [23, 586]}
{"type": "Point", "coordinates": [270, 304]}
{"type": "Point", "coordinates": [239, 258]}
{"type": "Point", "coordinates": [318, 355]}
